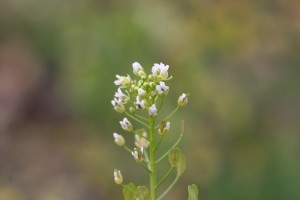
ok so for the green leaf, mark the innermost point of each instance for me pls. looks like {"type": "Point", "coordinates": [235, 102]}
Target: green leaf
{"type": "Point", "coordinates": [143, 193]}
{"type": "Point", "coordinates": [193, 192]}
{"type": "Point", "coordinates": [129, 191]}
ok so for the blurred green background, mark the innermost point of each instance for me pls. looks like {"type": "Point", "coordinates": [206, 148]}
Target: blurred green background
{"type": "Point", "coordinates": [238, 59]}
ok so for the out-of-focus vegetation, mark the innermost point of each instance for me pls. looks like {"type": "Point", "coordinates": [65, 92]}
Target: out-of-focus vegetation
{"type": "Point", "coordinates": [238, 59]}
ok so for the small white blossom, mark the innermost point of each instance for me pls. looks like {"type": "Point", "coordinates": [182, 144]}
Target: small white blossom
{"type": "Point", "coordinates": [137, 69]}
{"type": "Point", "coordinates": [152, 110]}
{"type": "Point", "coordinates": [137, 154]}
{"type": "Point", "coordinates": [182, 100]}
{"type": "Point", "coordinates": [118, 177]}
{"type": "Point", "coordinates": [119, 139]}
{"type": "Point", "coordinates": [123, 81]}
{"type": "Point", "coordinates": [162, 88]}
{"type": "Point", "coordinates": [126, 125]}
{"type": "Point", "coordinates": [121, 95]}
{"type": "Point", "coordinates": [141, 92]}
{"type": "Point", "coordinates": [118, 105]}
{"type": "Point", "coordinates": [139, 104]}
{"type": "Point", "coordinates": [164, 128]}
{"type": "Point", "coordinates": [160, 71]}
{"type": "Point", "coordinates": [141, 141]}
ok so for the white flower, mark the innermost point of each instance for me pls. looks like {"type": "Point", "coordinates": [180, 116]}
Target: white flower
{"type": "Point", "coordinates": [126, 125]}
{"type": "Point", "coordinates": [162, 88]}
{"type": "Point", "coordinates": [119, 139]}
{"type": "Point", "coordinates": [164, 128]}
{"type": "Point", "coordinates": [182, 100]}
{"type": "Point", "coordinates": [141, 141]}
{"type": "Point", "coordinates": [118, 105]}
{"type": "Point", "coordinates": [118, 177]}
{"type": "Point", "coordinates": [139, 104]}
{"type": "Point", "coordinates": [152, 110]}
{"type": "Point", "coordinates": [121, 95]}
{"type": "Point", "coordinates": [141, 92]}
{"type": "Point", "coordinates": [160, 71]}
{"type": "Point", "coordinates": [137, 154]}
{"type": "Point", "coordinates": [138, 69]}
{"type": "Point", "coordinates": [123, 81]}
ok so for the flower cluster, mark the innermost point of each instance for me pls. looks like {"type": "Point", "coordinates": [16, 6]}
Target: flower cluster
{"type": "Point", "coordinates": [141, 100]}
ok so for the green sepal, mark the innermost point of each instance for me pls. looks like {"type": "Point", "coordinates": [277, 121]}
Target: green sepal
{"type": "Point", "coordinates": [193, 192]}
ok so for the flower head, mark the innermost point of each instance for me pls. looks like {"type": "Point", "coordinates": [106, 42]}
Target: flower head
{"type": "Point", "coordinates": [141, 141]}
{"type": "Point", "coordinates": [119, 139]}
{"type": "Point", "coordinates": [139, 104]}
{"type": "Point", "coordinates": [118, 177]}
{"type": "Point", "coordinates": [123, 81]}
{"type": "Point", "coordinates": [118, 105]}
{"type": "Point", "coordinates": [182, 100]}
{"type": "Point", "coordinates": [152, 110]}
{"type": "Point", "coordinates": [126, 125]}
{"type": "Point", "coordinates": [160, 71]}
{"type": "Point", "coordinates": [162, 88]}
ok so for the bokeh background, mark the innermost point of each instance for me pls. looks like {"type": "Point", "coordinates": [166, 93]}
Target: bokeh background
{"type": "Point", "coordinates": [238, 59]}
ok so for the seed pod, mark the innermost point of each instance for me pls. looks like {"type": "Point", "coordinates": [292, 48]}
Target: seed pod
{"type": "Point", "coordinates": [174, 156]}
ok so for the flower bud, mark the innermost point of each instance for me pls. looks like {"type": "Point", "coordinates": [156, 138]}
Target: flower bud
{"type": "Point", "coordinates": [152, 85]}
{"type": "Point", "coordinates": [118, 177]}
{"type": "Point", "coordinates": [142, 92]}
{"type": "Point", "coordinates": [150, 77]}
{"type": "Point", "coordinates": [182, 100]}
{"type": "Point", "coordinates": [118, 105]}
{"type": "Point", "coordinates": [119, 139]}
{"type": "Point", "coordinates": [164, 128]}
{"type": "Point", "coordinates": [174, 156]}
{"type": "Point", "coordinates": [152, 110]}
{"type": "Point", "coordinates": [126, 125]}
{"type": "Point", "coordinates": [137, 68]}
{"type": "Point", "coordinates": [138, 154]}
{"type": "Point", "coordinates": [132, 110]}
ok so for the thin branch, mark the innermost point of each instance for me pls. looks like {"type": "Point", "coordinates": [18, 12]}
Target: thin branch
{"type": "Point", "coordinates": [136, 119]}
{"type": "Point", "coordinates": [170, 115]}
{"type": "Point", "coordinates": [160, 140]}
{"type": "Point", "coordinates": [169, 188]}
{"type": "Point", "coordinates": [165, 177]}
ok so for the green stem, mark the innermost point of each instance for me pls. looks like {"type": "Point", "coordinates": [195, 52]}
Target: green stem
{"type": "Point", "coordinates": [169, 188]}
{"type": "Point", "coordinates": [136, 119]}
{"type": "Point", "coordinates": [146, 168]}
{"type": "Point", "coordinates": [126, 147]}
{"type": "Point", "coordinates": [161, 103]}
{"type": "Point", "coordinates": [152, 159]}
{"type": "Point", "coordinates": [165, 177]}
